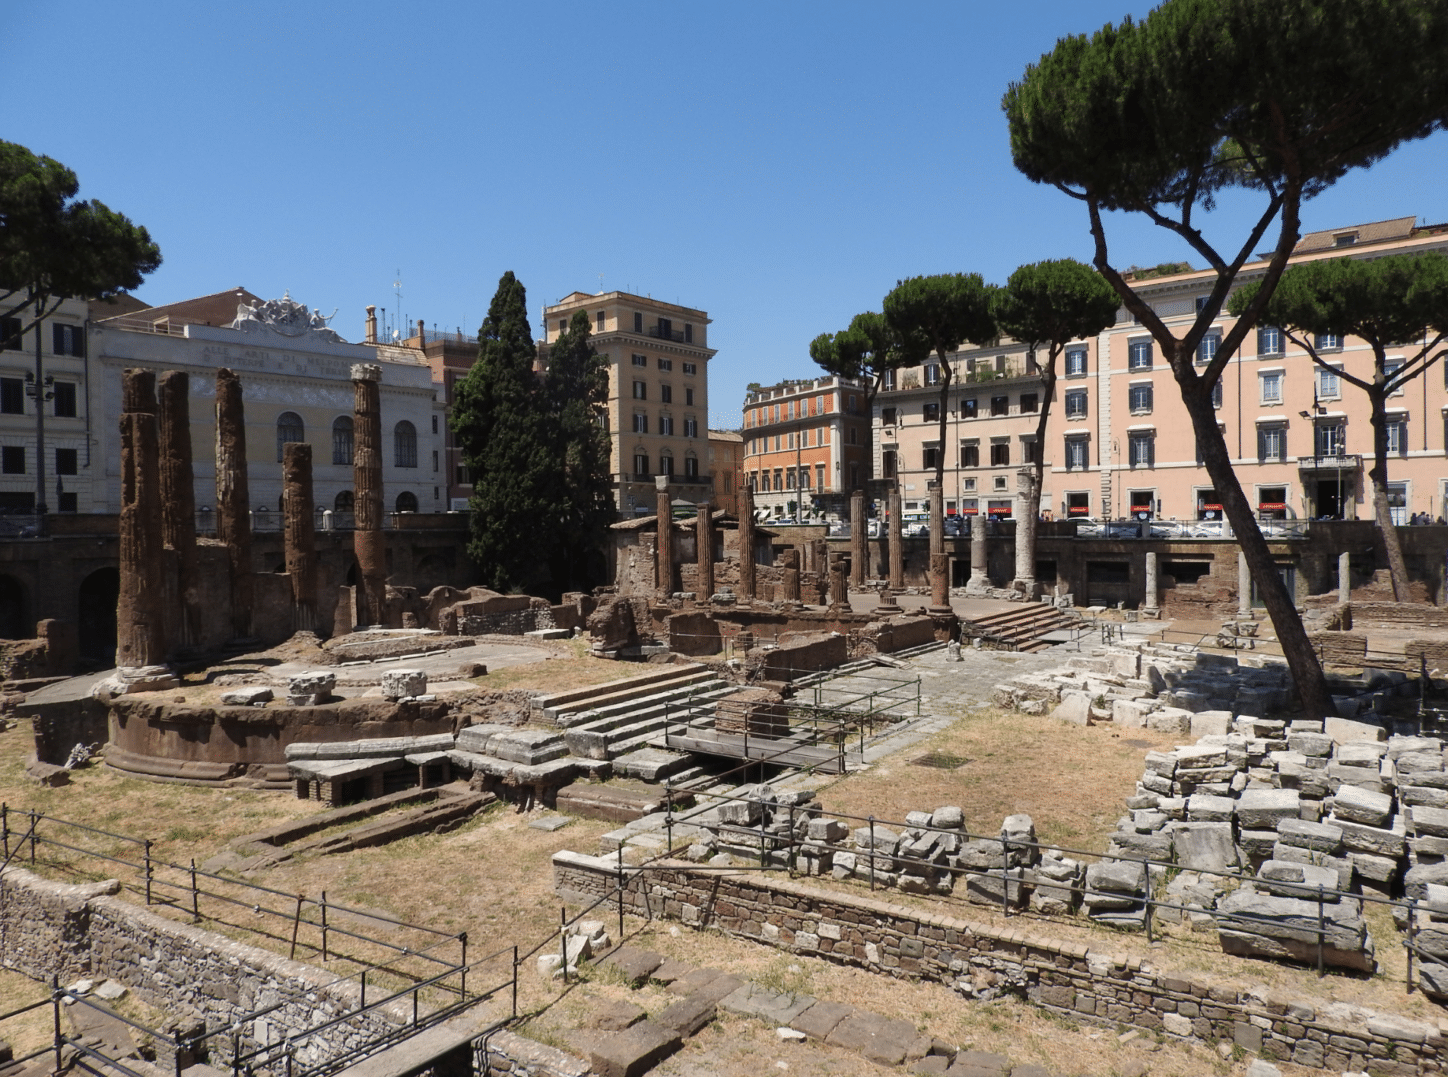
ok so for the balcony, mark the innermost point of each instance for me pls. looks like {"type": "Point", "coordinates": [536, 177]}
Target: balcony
{"type": "Point", "coordinates": [1335, 462]}
{"type": "Point", "coordinates": [660, 333]}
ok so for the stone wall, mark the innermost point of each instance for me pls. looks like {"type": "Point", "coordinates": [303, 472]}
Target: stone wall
{"type": "Point", "coordinates": [506, 1054]}
{"type": "Point", "coordinates": [1066, 978]}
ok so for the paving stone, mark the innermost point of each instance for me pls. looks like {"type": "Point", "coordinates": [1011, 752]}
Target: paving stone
{"type": "Point", "coordinates": [819, 1020]}
{"type": "Point", "coordinates": [930, 1065]}
{"type": "Point", "coordinates": [617, 1016]}
{"type": "Point", "coordinates": [979, 1064]}
{"type": "Point", "coordinates": [712, 984]}
{"type": "Point", "coordinates": [687, 1016]}
{"type": "Point", "coordinates": [774, 1007]}
{"type": "Point", "coordinates": [635, 964]}
{"type": "Point", "coordinates": [671, 970]}
{"type": "Point", "coordinates": [634, 1051]}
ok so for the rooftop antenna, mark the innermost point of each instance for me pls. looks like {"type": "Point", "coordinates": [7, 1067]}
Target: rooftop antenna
{"type": "Point", "coordinates": [397, 291]}
{"type": "Point", "coordinates": [600, 284]}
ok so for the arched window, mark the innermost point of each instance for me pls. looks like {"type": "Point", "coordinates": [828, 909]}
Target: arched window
{"type": "Point", "coordinates": [404, 444]}
{"type": "Point", "coordinates": [289, 428]}
{"type": "Point", "coordinates": [343, 502]}
{"type": "Point", "coordinates": [407, 501]}
{"type": "Point", "coordinates": [342, 440]}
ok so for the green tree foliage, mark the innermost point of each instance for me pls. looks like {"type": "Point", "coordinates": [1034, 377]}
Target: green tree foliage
{"type": "Point", "coordinates": [1281, 99]}
{"type": "Point", "coordinates": [1387, 302]}
{"type": "Point", "coordinates": [497, 418]}
{"type": "Point", "coordinates": [942, 312]}
{"type": "Point", "coordinates": [576, 396]}
{"type": "Point", "coordinates": [1047, 305]}
{"type": "Point", "coordinates": [53, 247]}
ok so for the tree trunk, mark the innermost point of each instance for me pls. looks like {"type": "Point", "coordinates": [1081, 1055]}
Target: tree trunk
{"type": "Point", "coordinates": [1382, 511]}
{"type": "Point", "coordinates": [1281, 608]}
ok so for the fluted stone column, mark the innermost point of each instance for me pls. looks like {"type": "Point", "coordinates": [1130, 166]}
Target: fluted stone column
{"type": "Point", "coordinates": [1244, 586]}
{"type": "Point", "coordinates": [897, 546]}
{"type": "Point", "coordinates": [979, 579]}
{"type": "Point", "coordinates": [791, 576]}
{"type": "Point", "coordinates": [301, 540]}
{"type": "Point", "coordinates": [368, 542]}
{"type": "Point", "coordinates": [178, 499]}
{"type": "Point", "coordinates": [746, 543]}
{"type": "Point", "coordinates": [233, 497]}
{"type": "Point", "coordinates": [839, 586]}
{"type": "Point", "coordinates": [1152, 586]}
{"type": "Point", "coordinates": [1344, 578]}
{"type": "Point", "coordinates": [858, 545]}
{"type": "Point", "coordinates": [664, 547]}
{"type": "Point", "coordinates": [140, 626]}
{"type": "Point", "coordinates": [704, 552]}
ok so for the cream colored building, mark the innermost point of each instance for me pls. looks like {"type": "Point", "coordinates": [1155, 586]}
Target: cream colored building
{"type": "Point", "coordinates": [658, 392]}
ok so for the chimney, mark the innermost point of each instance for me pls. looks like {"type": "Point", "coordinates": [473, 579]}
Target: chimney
{"type": "Point", "coordinates": [370, 336]}
{"type": "Point", "coordinates": [421, 334]}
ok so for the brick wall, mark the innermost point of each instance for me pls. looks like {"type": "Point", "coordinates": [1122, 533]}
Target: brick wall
{"type": "Point", "coordinates": [1066, 978]}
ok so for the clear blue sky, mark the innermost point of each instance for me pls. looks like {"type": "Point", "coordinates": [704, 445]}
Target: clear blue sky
{"type": "Point", "coordinates": [779, 165]}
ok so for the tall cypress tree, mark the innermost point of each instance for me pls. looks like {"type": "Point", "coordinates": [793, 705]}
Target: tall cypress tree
{"type": "Point", "coordinates": [576, 391]}
{"type": "Point", "coordinates": [498, 420]}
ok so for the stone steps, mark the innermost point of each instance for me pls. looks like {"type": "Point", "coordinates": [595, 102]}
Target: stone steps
{"type": "Point", "coordinates": [558, 706]}
{"type": "Point", "coordinates": [1025, 627]}
{"type": "Point", "coordinates": [626, 729]}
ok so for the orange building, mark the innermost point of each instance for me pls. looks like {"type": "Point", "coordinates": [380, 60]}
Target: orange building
{"type": "Point", "coordinates": [805, 446]}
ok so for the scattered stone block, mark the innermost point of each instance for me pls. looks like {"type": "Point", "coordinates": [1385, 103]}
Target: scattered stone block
{"type": "Point", "coordinates": [1364, 806]}
{"type": "Point", "coordinates": [403, 683]}
{"type": "Point", "coordinates": [248, 697]}
{"type": "Point", "coordinates": [310, 689]}
{"type": "Point", "coordinates": [634, 1051]}
{"type": "Point", "coordinates": [687, 1016]}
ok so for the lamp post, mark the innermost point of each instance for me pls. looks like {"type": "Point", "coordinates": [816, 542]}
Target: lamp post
{"type": "Point", "coordinates": [40, 387]}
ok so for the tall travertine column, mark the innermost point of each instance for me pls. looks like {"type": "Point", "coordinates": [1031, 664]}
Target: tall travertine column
{"type": "Point", "coordinates": [1244, 586]}
{"type": "Point", "coordinates": [704, 547]}
{"type": "Point", "coordinates": [746, 543]}
{"type": "Point", "coordinates": [301, 540]}
{"type": "Point", "coordinates": [979, 579]}
{"type": "Point", "coordinates": [664, 544]}
{"type": "Point", "coordinates": [1344, 578]}
{"type": "Point", "coordinates": [1152, 587]}
{"type": "Point", "coordinates": [368, 542]}
{"type": "Point", "coordinates": [939, 563]}
{"type": "Point", "coordinates": [140, 627]}
{"type": "Point", "coordinates": [858, 545]}
{"type": "Point", "coordinates": [233, 497]}
{"type": "Point", "coordinates": [897, 548]}
{"type": "Point", "coordinates": [178, 498]}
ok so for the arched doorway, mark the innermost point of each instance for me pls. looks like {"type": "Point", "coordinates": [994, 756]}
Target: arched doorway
{"type": "Point", "coordinates": [96, 617]}
{"type": "Point", "coordinates": [407, 501]}
{"type": "Point", "coordinates": [14, 622]}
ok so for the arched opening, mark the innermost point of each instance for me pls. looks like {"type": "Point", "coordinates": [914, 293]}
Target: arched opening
{"type": "Point", "coordinates": [407, 501]}
{"type": "Point", "coordinates": [289, 428]}
{"type": "Point", "coordinates": [404, 444]}
{"type": "Point", "coordinates": [14, 621]}
{"type": "Point", "coordinates": [343, 502]}
{"type": "Point", "coordinates": [96, 617]}
{"type": "Point", "coordinates": [342, 440]}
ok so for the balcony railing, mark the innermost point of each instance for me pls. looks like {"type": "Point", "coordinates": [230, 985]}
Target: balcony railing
{"type": "Point", "coordinates": [1333, 462]}
{"type": "Point", "coordinates": [659, 332]}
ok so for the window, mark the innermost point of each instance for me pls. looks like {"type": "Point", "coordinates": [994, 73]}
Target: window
{"type": "Point", "coordinates": [1076, 362]}
{"type": "Point", "coordinates": [1141, 399]}
{"type": "Point", "coordinates": [600, 323]}
{"type": "Point", "coordinates": [345, 501]}
{"type": "Point", "coordinates": [967, 408]}
{"type": "Point", "coordinates": [1142, 449]}
{"type": "Point", "coordinates": [12, 460]}
{"type": "Point", "coordinates": [691, 428]}
{"type": "Point", "coordinates": [1076, 454]}
{"type": "Point", "coordinates": [10, 335]}
{"type": "Point", "coordinates": [641, 464]}
{"type": "Point", "coordinates": [1397, 431]}
{"type": "Point", "coordinates": [970, 454]}
{"type": "Point", "coordinates": [67, 340]}
{"type": "Point", "coordinates": [1390, 368]}
{"type": "Point", "coordinates": [887, 464]}
{"type": "Point", "coordinates": [562, 326]}
{"type": "Point", "coordinates": [640, 360]}
{"type": "Point", "coordinates": [1000, 452]}
{"type": "Point", "coordinates": [690, 369]}
{"type": "Point", "coordinates": [887, 383]}
{"type": "Point", "coordinates": [65, 399]}
{"type": "Point", "coordinates": [67, 462]}
{"type": "Point", "coordinates": [853, 409]}
{"type": "Point", "coordinates": [638, 322]}
{"type": "Point", "coordinates": [1327, 342]}
{"type": "Point", "coordinates": [1344, 239]}
{"type": "Point", "coordinates": [1329, 439]}
{"type": "Point", "coordinates": [789, 478]}
{"type": "Point", "coordinates": [342, 440]}
{"type": "Point", "coordinates": [1028, 449]}
{"type": "Point", "coordinates": [930, 458]}
{"type": "Point", "coordinates": [779, 478]}
{"type": "Point", "coordinates": [404, 444]}
{"type": "Point", "coordinates": [666, 393]}
{"type": "Point", "coordinates": [1000, 405]}
{"type": "Point", "coordinates": [1217, 393]}
{"type": "Point", "coordinates": [854, 438]}
{"type": "Point", "coordinates": [1329, 385]}
{"type": "Point", "coordinates": [1207, 347]}
{"type": "Point", "coordinates": [691, 467]}
{"type": "Point", "coordinates": [932, 373]}
{"type": "Point", "coordinates": [1078, 504]}
{"type": "Point", "coordinates": [931, 413]}
{"type": "Point", "coordinates": [434, 460]}
{"type": "Point", "coordinates": [12, 396]}
{"type": "Point", "coordinates": [887, 416]}
{"type": "Point", "coordinates": [689, 398]}
{"type": "Point", "coordinates": [640, 423]}
{"type": "Point", "coordinates": [1271, 443]}
{"type": "Point", "coordinates": [1269, 340]}
{"type": "Point", "coordinates": [820, 404]}
{"type": "Point", "coordinates": [665, 329]}
{"type": "Point", "coordinates": [665, 364]}
{"type": "Point", "coordinates": [1139, 355]}
{"type": "Point", "coordinates": [1076, 404]}
{"type": "Point", "coordinates": [640, 390]}
{"type": "Point", "coordinates": [764, 481]}
{"type": "Point", "coordinates": [666, 425]}
{"type": "Point", "coordinates": [289, 428]}
{"type": "Point", "coordinates": [1270, 383]}
{"type": "Point", "coordinates": [1030, 403]}
{"type": "Point", "coordinates": [461, 476]}
{"type": "Point", "coordinates": [434, 424]}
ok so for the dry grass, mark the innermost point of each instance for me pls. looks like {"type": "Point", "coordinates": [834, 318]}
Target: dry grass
{"type": "Point", "coordinates": [575, 668]}
{"type": "Point", "coordinates": [1070, 779]}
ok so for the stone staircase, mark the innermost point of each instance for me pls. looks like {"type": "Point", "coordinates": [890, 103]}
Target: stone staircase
{"type": "Point", "coordinates": [1026, 626]}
